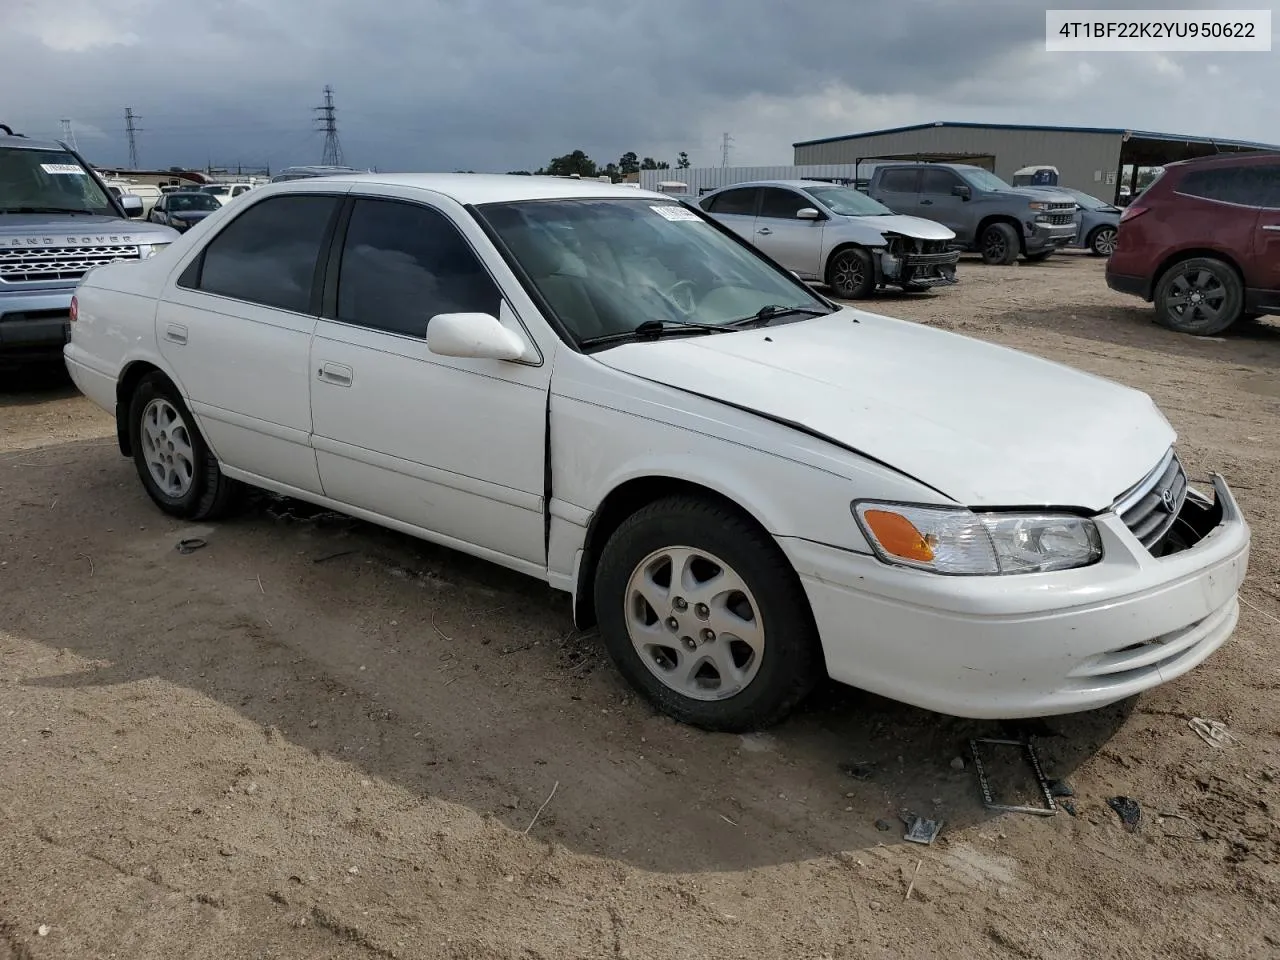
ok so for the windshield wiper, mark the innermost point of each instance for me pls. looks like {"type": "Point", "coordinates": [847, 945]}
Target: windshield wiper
{"type": "Point", "coordinates": [653, 330]}
{"type": "Point", "coordinates": [773, 311]}
{"type": "Point", "coordinates": [44, 210]}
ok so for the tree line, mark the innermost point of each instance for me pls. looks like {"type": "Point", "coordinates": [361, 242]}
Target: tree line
{"type": "Point", "coordinates": [577, 162]}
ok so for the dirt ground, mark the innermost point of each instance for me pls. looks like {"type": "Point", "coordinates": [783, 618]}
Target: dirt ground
{"type": "Point", "coordinates": [313, 738]}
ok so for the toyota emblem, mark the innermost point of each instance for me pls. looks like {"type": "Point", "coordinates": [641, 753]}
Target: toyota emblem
{"type": "Point", "coordinates": [1166, 497]}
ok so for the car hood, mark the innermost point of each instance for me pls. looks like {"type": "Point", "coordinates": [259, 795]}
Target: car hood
{"type": "Point", "coordinates": [1044, 194]}
{"type": "Point", "coordinates": [916, 227]}
{"type": "Point", "coordinates": [46, 229]}
{"type": "Point", "coordinates": [984, 425]}
{"type": "Point", "coordinates": [191, 214]}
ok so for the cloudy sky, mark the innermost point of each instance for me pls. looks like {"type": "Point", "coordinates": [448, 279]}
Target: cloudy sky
{"type": "Point", "coordinates": [500, 85]}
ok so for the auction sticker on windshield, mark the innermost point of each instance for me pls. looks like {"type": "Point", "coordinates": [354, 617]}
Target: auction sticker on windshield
{"type": "Point", "coordinates": [70, 168]}
{"type": "Point", "coordinates": [675, 212]}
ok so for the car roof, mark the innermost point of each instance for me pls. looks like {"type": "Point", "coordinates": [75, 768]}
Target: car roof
{"type": "Point", "coordinates": [795, 184]}
{"type": "Point", "coordinates": [1227, 159]}
{"type": "Point", "coordinates": [25, 143]}
{"type": "Point", "coordinates": [482, 187]}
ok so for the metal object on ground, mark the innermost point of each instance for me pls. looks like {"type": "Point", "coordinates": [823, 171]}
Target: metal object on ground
{"type": "Point", "coordinates": [1033, 760]}
{"type": "Point", "coordinates": [920, 830]}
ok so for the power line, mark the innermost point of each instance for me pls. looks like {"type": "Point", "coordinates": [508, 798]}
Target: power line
{"type": "Point", "coordinates": [725, 141]}
{"type": "Point", "coordinates": [328, 121]}
{"type": "Point", "coordinates": [131, 132]}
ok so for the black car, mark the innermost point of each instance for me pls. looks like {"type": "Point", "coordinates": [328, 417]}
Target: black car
{"type": "Point", "coordinates": [184, 208]}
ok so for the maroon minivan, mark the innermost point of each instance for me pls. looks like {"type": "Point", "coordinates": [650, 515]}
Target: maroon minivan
{"type": "Point", "coordinates": [1203, 243]}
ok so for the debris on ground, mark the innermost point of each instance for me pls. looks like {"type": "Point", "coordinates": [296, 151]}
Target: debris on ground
{"type": "Point", "coordinates": [1129, 810]}
{"type": "Point", "coordinates": [1213, 732]}
{"type": "Point", "coordinates": [884, 825]}
{"type": "Point", "coordinates": [191, 545]}
{"type": "Point", "coordinates": [1033, 761]}
{"type": "Point", "coordinates": [957, 763]}
{"type": "Point", "coordinates": [1060, 788]}
{"type": "Point", "coordinates": [920, 830]}
{"type": "Point", "coordinates": [859, 771]}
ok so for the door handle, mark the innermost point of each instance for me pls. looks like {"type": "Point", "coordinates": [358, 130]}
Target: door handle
{"type": "Point", "coordinates": [176, 333]}
{"type": "Point", "coordinates": [764, 232]}
{"type": "Point", "coordinates": [926, 203]}
{"type": "Point", "coordinates": [1272, 227]}
{"type": "Point", "coordinates": [336, 373]}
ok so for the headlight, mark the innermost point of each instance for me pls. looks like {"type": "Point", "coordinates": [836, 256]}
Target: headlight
{"type": "Point", "coordinates": [1038, 205]}
{"type": "Point", "coordinates": [960, 542]}
{"type": "Point", "coordinates": [148, 250]}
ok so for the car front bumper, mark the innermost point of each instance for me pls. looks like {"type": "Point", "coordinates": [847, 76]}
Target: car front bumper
{"type": "Point", "coordinates": [1035, 644]}
{"type": "Point", "coordinates": [1046, 236]}
{"type": "Point", "coordinates": [37, 327]}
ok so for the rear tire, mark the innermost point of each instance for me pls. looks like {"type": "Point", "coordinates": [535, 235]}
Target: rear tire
{"type": "Point", "coordinates": [851, 274]}
{"type": "Point", "coordinates": [1201, 296]}
{"type": "Point", "coordinates": [704, 616]}
{"type": "Point", "coordinates": [999, 244]}
{"type": "Point", "coordinates": [175, 465]}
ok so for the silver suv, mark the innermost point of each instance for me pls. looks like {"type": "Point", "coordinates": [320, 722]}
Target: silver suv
{"type": "Point", "coordinates": [58, 221]}
{"type": "Point", "coordinates": [836, 235]}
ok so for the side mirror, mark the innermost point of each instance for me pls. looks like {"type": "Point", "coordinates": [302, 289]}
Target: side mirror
{"type": "Point", "coordinates": [807, 213]}
{"type": "Point", "coordinates": [132, 205]}
{"type": "Point", "coordinates": [961, 191]}
{"type": "Point", "coordinates": [477, 336]}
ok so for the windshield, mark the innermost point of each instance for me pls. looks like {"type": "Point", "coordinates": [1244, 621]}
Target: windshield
{"type": "Point", "coordinates": [1085, 200]}
{"type": "Point", "coordinates": [192, 201]}
{"type": "Point", "coordinates": [216, 191]}
{"type": "Point", "coordinates": [847, 202]}
{"type": "Point", "coordinates": [47, 181]}
{"type": "Point", "coordinates": [984, 179]}
{"type": "Point", "coordinates": [606, 266]}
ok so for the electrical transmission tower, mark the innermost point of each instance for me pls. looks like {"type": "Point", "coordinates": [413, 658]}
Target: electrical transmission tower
{"type": "Point", "coordinates": [131, 131]}
{"type": "Point", "coordinates": [69, 135]}
{"type": "Point", "coordinates": [725, 141]}
{"type": "Point", "coordinates": [328, 122]}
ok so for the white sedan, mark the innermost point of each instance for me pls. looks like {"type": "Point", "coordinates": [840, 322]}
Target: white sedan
{"type": "Point", "coordinates": [743, 484]}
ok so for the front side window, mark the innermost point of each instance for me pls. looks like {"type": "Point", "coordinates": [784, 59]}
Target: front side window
{"type": "Point", "coordinates": [938, 181]}
{"type": "Point", "coordinates": [268, 254]}
{"type": "Point", "coordinates": [779, 204]}
{"type": "Point", "coordinates": [605, 266]}
{"type": "Point", "coordinates": [48, 181]}
{"type": "Point", "coordinates": [403, 263]}
{"type": "Point", "coordinates": [981, 179]}
{"type": "Point", "coordinates": [848, 202]}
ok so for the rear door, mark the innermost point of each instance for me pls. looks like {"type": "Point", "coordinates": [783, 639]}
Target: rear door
{"type": "Point", "coordinates": [794, 243]}
{"type": "Point", "coordinates": [736, 209]}
{"type": "Point", "coordinates": [899, 189]}
{"type": "Point", "coordinates": [1266, 241]}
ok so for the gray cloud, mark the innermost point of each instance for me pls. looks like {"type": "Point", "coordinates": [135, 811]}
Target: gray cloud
{"type": "Point", "coordinates": [495, 84]}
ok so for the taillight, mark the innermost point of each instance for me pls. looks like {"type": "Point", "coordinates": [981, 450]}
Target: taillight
{"type": "Point", "coordinates": [1133, 210]}
{"type": "Point", "coordinates": [75, 309]}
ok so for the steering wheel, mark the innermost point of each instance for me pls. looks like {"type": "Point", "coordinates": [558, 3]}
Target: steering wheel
{"type": "Point", "coordinates": [683, 295]}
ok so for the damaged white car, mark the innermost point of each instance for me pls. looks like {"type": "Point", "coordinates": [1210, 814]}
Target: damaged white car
{"type": "Point", "coordinates": [745, 485]}
{"type": "Point", "coordinates": [837, 235]}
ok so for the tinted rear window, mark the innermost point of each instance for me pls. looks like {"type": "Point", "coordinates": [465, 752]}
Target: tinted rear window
{"type": "Point", "coordinates": [1248, 186]}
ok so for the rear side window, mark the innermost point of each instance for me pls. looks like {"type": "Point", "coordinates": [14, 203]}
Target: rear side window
{"type": "Point", "coordinates": [1250, 186]}
{"type": "Point", "coordinates": [740, 203]}
{"type": "Point", "coordinates": [403, 263]}
{"type": "Point", "coordinates": [900, 181]}
{"type": "Point", "coordinates": [268, 254]}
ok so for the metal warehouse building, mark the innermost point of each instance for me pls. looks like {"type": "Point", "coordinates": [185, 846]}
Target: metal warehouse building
{"type": "Point", "coordinates": [1096, 160]}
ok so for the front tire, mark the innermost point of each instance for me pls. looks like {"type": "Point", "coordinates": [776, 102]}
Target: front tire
{"type": "Point", "coordinates": [999, 244]}
{"type": "Point", "coordinates": [175, 465]}
{"type": "Point", "coordinates": [1201, 296]}
{"type": "Point", "coordinates": [1102, 242]}
{"type": "Point", "coordinates": [705, 617]}
{"type": "Point", "coordinates": [851, 274]}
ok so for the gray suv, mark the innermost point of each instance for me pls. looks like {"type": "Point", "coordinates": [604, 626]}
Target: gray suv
{"type": "Point", "coordinates": [58, 221]}
{"type": "Point", "coordinates": [988, 215]}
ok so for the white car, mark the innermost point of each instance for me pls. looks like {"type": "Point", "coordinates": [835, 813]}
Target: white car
{"type": "Point", "coordinates": [742, 483]}
{"type": "Point", "coordinates": [226, 192]}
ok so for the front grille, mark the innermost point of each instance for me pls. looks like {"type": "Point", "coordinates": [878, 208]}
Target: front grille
{"type": "Point", "coordinates": [1061, 219]}
{"type": "Point", "coordinates": [1151, 506]}
{"type": "Point", "coordinates": [931, 259]}
{"type": "Point", "coordinates": [25, 264]}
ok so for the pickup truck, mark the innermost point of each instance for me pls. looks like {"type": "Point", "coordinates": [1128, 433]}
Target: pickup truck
{"type": "Point", "coordinates": [1000, 221]}
{"type": "Point", "coordinates": [58, 220]}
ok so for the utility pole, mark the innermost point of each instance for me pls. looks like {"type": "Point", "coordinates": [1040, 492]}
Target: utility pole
{"type": "Point", "coordinates": [131, 132]}
{"type": "Point", "coordinates": [69, 135]}
{"type": "Point", "coordinates": [328, 121]}
{"type": "Point", "coordinates": [724, 149]}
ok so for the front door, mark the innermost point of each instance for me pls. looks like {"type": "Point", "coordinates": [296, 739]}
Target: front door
{"type": "Point", "coordinates": [794, 243]}
{"type": "Point", "coordinates": [449, 446]}
{"type": "Point", "coordinates": [235, 328]}
{"type": "Point", "coordinates": [939, 203]}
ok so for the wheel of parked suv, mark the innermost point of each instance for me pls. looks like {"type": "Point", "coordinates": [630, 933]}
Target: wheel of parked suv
{"type": "Point", "coordinates": [851, 274]}
{"type": "Point", "coordinates": [174, 463]}
{"type": "Point", "coordinates": [1201, 296]}
{"type": "Point", "coordinates": [703, 615]}
{"type": "Point", "coordinates": [1102, 242]}
{"type": "Point", "coordinates": [999, 244]}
